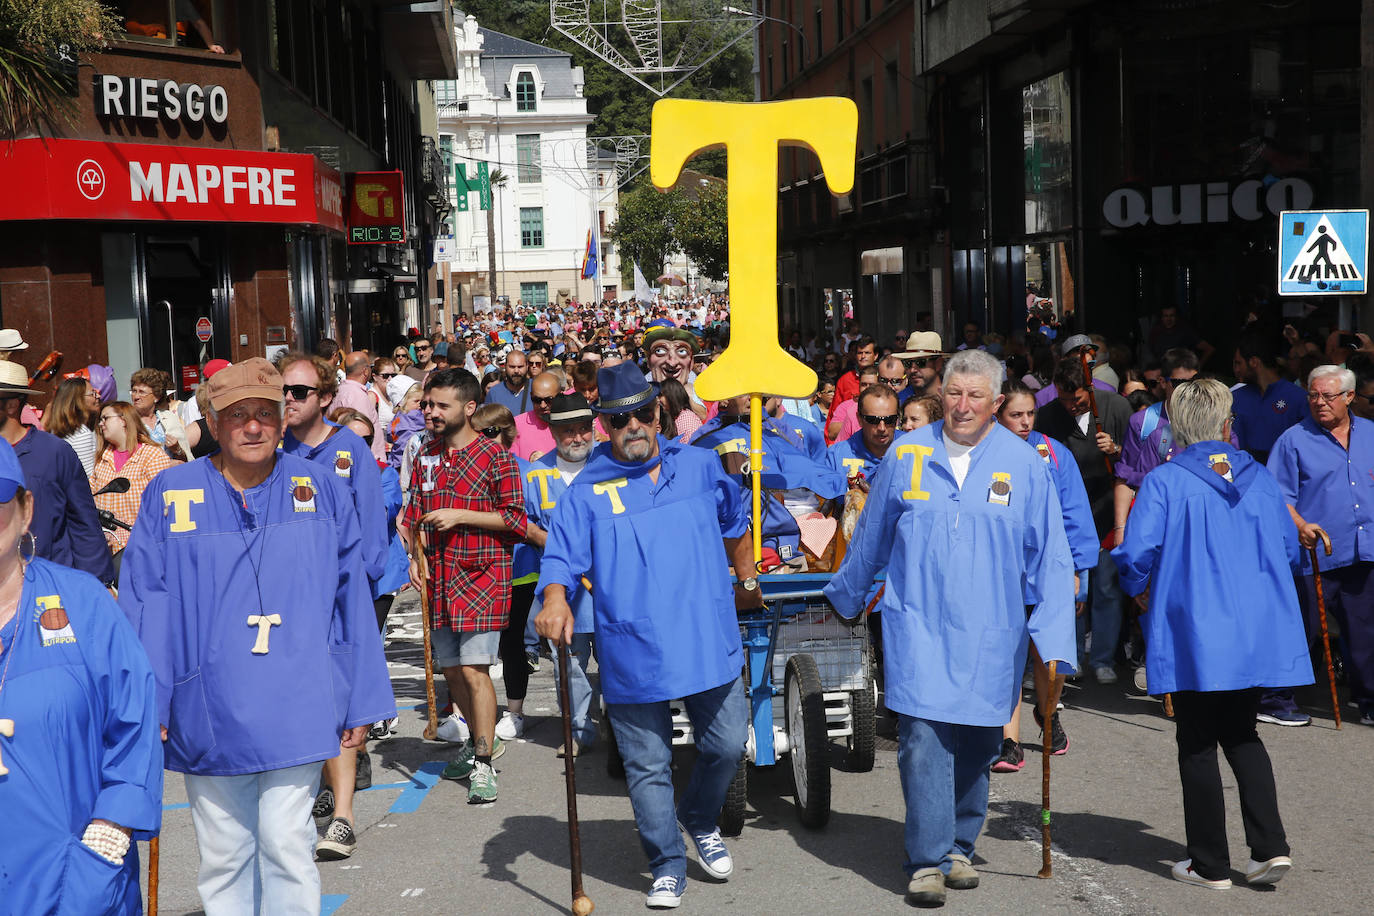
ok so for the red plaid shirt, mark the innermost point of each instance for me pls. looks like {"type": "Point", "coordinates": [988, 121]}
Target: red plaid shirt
{"type": "Point", "coordinates": [470, 568]}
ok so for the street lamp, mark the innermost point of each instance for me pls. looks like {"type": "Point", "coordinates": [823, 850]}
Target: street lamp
{"type": "Point", "coordinates": [801, 36]}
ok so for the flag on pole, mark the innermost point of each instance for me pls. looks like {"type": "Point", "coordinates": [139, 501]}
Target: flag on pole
{"type": "Point", "coordinates": [589, 257]}
{"type": "Point", "coordinates": [643, 291]}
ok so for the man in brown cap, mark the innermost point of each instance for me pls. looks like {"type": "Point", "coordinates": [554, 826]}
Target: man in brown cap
{"type": "Point", "coordinates": [243, 580]}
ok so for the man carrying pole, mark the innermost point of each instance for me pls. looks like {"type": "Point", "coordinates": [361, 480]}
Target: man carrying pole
{"type": "Point", "coordinates": [967, 521]}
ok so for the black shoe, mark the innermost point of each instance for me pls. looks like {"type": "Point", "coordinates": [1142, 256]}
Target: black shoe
{"type": "Point", "coordinates": [323, 811]}
{"type": "Point", "coordinates": [1059, 739]}
{"type": "Point", "coordinates": [362, 774]}
{"type": "Point", "coordinates": [532, 661]}
{"type": "Point", "coordinates": [338, 841]}
{"type": "Point", "coordinates": [1012, 758]}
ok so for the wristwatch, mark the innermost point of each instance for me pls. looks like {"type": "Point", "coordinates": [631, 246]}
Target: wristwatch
{"type": "Point", "coordinates": [750, 584]}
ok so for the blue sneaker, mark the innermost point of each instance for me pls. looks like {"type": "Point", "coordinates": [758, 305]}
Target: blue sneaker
{"type": "Point", "coordinates": [711, 853]}
{"type": "Point", "coordinates": [666, 894]}
{"type": "Point", "coordinates": [1289, 717]}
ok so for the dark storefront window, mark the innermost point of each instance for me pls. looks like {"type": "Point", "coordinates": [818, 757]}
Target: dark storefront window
{"type": "Point", "coordinates": [1047, 143]}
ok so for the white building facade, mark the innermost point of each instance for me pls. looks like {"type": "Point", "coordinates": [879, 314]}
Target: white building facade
{"type": "Point", "coordinates": [518, 107]}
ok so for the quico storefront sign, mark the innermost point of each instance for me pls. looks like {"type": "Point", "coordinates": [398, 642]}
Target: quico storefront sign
{"type": "Point", "coordinates": [162, 100]}
{"type": "Point", "coordinates": [1206, 202]}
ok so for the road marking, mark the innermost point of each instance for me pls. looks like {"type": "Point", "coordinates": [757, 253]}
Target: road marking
{"type": "Point", "coordinates": [331, 902]}
{"type": "Point", "coordinates": [347, 867]}
{"type": "Point", "coordinates": [425, 778]}
{"type": "Point", "coordinates": [412, 892]}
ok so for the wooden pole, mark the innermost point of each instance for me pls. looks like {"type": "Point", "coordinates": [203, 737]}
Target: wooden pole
{"type": "Point", "coordinates": [1047, 751]}
{"type": "Point", "coordinates": [1321, 615]}
{"type": "Point", "coordinates": [581, 904]}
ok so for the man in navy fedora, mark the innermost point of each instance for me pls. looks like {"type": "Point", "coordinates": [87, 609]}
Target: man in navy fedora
{"type": "Point", "coordinates": [656, 528]}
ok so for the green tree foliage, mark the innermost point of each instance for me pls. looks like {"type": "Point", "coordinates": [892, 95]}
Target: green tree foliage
{"type": "Point", "coordinates": [702, 231]}
{"type": "Point", "coordinates": [646, 229]}
{"type": "Point", "coordinates": [31, 32]}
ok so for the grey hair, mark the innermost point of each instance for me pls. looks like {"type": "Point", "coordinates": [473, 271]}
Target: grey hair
{"type": "Point", "coordinates": [1345, 375]}
{"type": "Point", "coordinates": [1198, 411]}
{"type": "Point", "coordinates": [976, 362]}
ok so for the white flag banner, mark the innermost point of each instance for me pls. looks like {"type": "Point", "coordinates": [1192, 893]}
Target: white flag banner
{"type": "Point", "coordinates": [643, 291]}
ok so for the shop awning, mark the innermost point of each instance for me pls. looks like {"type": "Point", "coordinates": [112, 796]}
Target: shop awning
{"type": "Point", "coordinates": [93, 180]}
{"type": "Point", "coordinates": [422, 36]}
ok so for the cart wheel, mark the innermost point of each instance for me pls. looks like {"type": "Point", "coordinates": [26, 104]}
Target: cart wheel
{"type": "Point", "coordinates": [863, 742]}
{"type": "Point", "coordinates": [615, 764]}
{"type": "Point", "coordinates": [805, 705]}
{"type": "Point", "coordinates": [732, 814]}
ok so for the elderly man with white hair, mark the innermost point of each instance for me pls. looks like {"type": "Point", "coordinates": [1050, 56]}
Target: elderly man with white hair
{"type": "Point", "coordinates": [1323, 468]}
{"type": "Point", "coordinates": [965, 518]}
{"type": "Point", "coordinates": [1210, 549]}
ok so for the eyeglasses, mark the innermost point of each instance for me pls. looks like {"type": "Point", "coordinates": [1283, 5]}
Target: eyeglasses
{"type": "Point", "coordinates": [891, 419]}
{"type": "Point", "coordinates": [645, 415]}
{"type": "Point", "coordinates": [298, 392]}
{"type": "Point", "coordinates": [387, 374]}
{"type": "Point", "coordinates": [538, 400]}
{"type": "Point", "coordinates": [894, 382]}
{"type": "Point", "coordinates": [109, 418]}
{"type": "Point", "coordinates": [491, 432]}
{"type": "Point", "coordinates": [1316, 396]}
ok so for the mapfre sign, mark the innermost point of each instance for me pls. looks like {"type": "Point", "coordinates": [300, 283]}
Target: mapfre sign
{"type": "Point", "coordinates": [91, 180]}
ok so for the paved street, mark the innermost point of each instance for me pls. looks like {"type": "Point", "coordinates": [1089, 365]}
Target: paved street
{"type": "Point", "coordinates": [1117, 826]}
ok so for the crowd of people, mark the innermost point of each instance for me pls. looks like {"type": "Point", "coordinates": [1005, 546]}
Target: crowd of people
{"type": "Point", "coordinates": [551, 475]}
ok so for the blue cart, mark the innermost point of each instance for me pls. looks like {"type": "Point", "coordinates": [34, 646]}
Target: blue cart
{"type": "Point", "coordinates": [810, 682]}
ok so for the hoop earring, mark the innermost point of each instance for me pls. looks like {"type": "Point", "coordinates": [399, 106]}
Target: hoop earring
{"type": "Point", "coordinates": [33, 547]}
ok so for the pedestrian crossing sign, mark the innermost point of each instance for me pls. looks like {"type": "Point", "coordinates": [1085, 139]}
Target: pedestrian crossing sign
{"type": "Point", "coordinates": [1323, 252]}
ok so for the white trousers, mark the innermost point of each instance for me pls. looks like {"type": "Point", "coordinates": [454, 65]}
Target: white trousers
{"type": "Point", "coordinates": [257, 842]}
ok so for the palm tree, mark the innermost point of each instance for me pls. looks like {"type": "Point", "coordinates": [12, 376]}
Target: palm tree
{"type": "Point", "coordinates": [34, 36]}
{"type": "Point", "coordinates": [498, 179]}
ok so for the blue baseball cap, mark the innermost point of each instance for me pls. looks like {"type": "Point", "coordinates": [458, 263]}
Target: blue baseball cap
{"type": "Point", "coordinates": [11, 474]}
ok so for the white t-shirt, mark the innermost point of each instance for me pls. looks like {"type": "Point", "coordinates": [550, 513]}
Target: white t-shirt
{"type": "Point", "coordinates": [568, 471]}
{"type": "Point", "coordinates": [1083, 420]}
{"type": "Point", "coordinates": [960, 456]}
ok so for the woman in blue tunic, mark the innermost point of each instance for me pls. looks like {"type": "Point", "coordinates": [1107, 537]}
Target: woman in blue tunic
{"type": "Point", "coordinates": [1211, 544]}
{"type": "Point", "coordinates": [80, 754]}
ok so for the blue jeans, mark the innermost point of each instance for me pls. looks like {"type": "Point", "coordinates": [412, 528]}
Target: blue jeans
{"type": "Point", "coordinates": [944, 770]}
{"type": "Point", "coordinates": [1105, 611]}
{"type": "Point", "coordinates": [257, 842]}
{"type": "Point", "coordinates": [581, 695]}
{"type": "Point", "coordinates": [644, 731]}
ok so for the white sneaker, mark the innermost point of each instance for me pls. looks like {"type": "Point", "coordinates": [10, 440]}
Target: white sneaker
{"type": "Point", "coordinates": [1268, 871]}
{"type": "Point", "coordinates": [1183, 871]}
{"type": "Point", "coordinates": [496, 671]}
{"type": "Point", "coordinates": [511, 726]}
{"type": "Point", "coordinates": [1106, 674]}
{"type": "Point", "coordinates": [454, 729]}
{"type": "Point", "coordinates": [1142, 682]}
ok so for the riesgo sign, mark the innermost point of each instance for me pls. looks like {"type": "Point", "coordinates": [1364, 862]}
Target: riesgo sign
{"type": "Point", "coordinates": [376, 208]}
{"type": "Point", "coordinates": [92, 180]}
{"type": "Point", "coordinates": [139, 97]}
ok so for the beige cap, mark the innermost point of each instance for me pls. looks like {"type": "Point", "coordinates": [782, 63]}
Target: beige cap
{"type": "Point", "coordinates": [14, 379]}
{"type": "Point", "coordinates": [10, 339]}
{"type": "Point", "coordinates": [253, 378]}
{"type": "Point", "coordinates": [922, 343]}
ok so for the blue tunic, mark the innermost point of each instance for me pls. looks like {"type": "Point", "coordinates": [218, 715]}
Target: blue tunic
{"type": "Point", "coordinates": [544, 487]}
{"type": "Point", "coordinates": [86, 745]}
{"type": "Point", "coordinates": [348, 458]}
{"type": "Point", "coordinates": [397, 572]}
{"type": "Point", "coordinates": [200, 563]}
{"type": "Point", "coordinates": [1217, 556]}
{"type": "Point", "coordinates": [665, 608]}
{"type": "Point", "coordinates": [1330, 486]}
{"type": "Point", "coordinates": [1073, 499]}
{"type": "Point", "coordinates": [962, 565]}
{"type": "Point", "coordinates": [851, 457]}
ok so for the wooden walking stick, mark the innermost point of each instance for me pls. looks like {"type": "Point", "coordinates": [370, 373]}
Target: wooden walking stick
{"type": "Point", "coordinates": [152, 876]}
{"type": "Point", "coordinates": [1047, 748]}
{"type": "Point", "coordinates": [581, 904]}
{"type": "Point", "coordinates": [1092, 402]}
{"type": "Point", "coordinates": [432, 726]}
{"type": "Point", "coordinates": [1321, 615]}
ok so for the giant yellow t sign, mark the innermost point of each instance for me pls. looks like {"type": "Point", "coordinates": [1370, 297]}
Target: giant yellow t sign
{"type": "Point", "coordinates": [751, 134]}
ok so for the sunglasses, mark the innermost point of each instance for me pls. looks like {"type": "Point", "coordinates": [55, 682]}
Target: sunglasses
{"type": "Point", "coordinates": [419, 347]}
{"type": "Point", "coordinates": [645, 415]}
{"type": "Point", "coordinates": [894, 382]}
{"type": "Point", "coordinates": [891, 419]}
{"type": "Point", "coordinates": [538, 400]}
{"type": "Point", "coordinates": [491, 432]}
{"type": "Point", "coordinates": [387, 374]}
{"type": "Point", "coordinates": [298, 392]}
{"type": "Point", "coordinates": [400, 354]}
{"type": "Point", "coordinates": [919, 362]}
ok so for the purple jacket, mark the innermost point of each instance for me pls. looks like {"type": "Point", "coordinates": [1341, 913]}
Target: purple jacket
{"type": "Point", "coordinates": [403, 427]}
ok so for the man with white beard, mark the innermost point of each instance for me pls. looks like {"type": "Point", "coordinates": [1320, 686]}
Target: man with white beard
{"type": "Point", "coordinates": [546, 479]}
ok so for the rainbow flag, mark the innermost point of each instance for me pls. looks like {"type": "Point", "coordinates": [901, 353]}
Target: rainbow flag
{"type": "Point", "coordinates": [589, 267]}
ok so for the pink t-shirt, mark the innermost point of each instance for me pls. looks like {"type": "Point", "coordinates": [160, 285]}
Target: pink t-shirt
{"type": "Point", "coordinates": [847, 414]}
{"type": "Point", "coordinates": [532, 437]}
